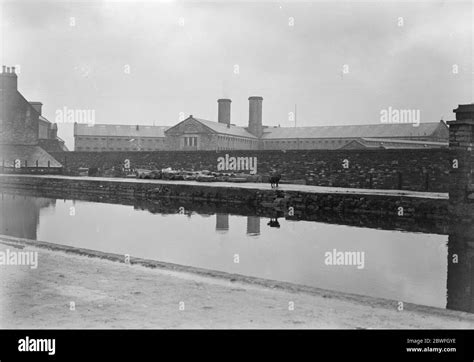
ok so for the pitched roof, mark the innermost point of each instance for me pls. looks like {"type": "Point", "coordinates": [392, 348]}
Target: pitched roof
{"type": "Point", "coordinates": [387, 143]}
{"type": "Point", "coordinates": [117, 130]}
{"type": "Point", "coordinates": [407, 142]}
{"type": "Point", "coordinates": [353, 131]}
{"type": "Point", "coordinates": [222, 128]}
{"type": "Point", "coordinates": [31, 154]}
{"type": "Point", "coordinates": [44, 120]}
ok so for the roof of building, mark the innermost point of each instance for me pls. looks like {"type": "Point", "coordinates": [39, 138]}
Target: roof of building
{"type": "Point", "coordinates": [392, 143]}
{"type": "Point", "coordinates": [354, 131]}
{"type": "Point", "coordinates": [117, 130]}
{"type": "Point", "coordinates": [31, 154]}
{"type": "Point", "coordinates": [395, 140]}
{"type": "Point", "coordinates": [42, 119]}
{"type": "Point", "coordinates": [222, 128]}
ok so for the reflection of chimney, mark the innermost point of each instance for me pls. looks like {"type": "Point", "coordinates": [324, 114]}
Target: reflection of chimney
{"type": "Point", "coordinates": [253, 225]}
{"type": "Point", "coordinates": [37, 106]}
{"type": "Point", "coordinates": [223, 111]}
{"type": "Point", "coordinates": [222, 222]}
{"type": "Point", "coordinates": [8, 79]}
{"type": "Point", "coordinates": [255, 116]}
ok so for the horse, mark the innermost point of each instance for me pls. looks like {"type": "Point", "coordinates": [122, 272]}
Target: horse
{"type": "Point", "coordinates": [274, 180]}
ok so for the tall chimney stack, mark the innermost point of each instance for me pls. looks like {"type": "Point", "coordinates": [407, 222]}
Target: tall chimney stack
{"type": "Point", "coordinates": [223, 111]}
{"type": "Point", "coordinates": [8, 80]}
{"type": "Point", "coordinates": [255, 116]}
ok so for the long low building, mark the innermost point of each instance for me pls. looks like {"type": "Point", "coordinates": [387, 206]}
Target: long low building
{"type": "Point", "coordinates": [111, 137]}
{"type": "Point", "coordinates": [194, 134]}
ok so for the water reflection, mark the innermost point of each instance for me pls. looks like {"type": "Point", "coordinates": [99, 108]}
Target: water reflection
{"type": "Point", "coordinates": [422, 268]}
{"type": "Point", "coordinates": [460, 281]}
{"type": "Point", "coordinates": [222, 223]}
{"type": "Point", "coordinates": [20, 215]}
{"type": "Point", "coordinates": [253, 225]}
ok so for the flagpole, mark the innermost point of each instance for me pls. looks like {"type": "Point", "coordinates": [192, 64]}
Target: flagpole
{"type": "Point", "coordinates": [295, 115]}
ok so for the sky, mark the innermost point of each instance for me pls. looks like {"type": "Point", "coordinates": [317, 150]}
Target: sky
{"type": "Point", "coordinates": [153, 62]}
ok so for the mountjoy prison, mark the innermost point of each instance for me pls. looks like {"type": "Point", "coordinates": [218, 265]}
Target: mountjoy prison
{"type": "Point", "coordinates": [193, 134]}
{"type": "Point", "coordinates": [23, 126]}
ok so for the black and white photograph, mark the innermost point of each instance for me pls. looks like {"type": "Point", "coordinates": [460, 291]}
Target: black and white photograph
{"type": "Point", "coordinates": [247, 165]}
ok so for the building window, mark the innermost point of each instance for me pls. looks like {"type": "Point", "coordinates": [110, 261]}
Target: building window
{"type": "Point", "coordinates": [190, 141]}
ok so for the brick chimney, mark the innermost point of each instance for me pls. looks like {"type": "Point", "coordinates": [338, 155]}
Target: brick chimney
{"type": "Point", "coordinates": [461, 131]}
{"type": "Point", "coordinates": [223, 113]}
{"type": "Point", "coordinates": [53, 131]}
{"type": "Point", "coordinates": [8, 79]}
{"type": "Point", "coordinates": [255, 116]}
{"type": "Point", "coordinates": [464, 111]}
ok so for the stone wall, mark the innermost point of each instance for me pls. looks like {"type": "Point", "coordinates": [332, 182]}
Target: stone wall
{"type": "Point", "coordinates": [415, 169]}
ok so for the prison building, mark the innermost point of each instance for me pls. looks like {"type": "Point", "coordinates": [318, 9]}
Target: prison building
{"type": "Point", "coordinates": [196, 134]}
{"type": "Point", "coordinates": [193, 134]}
{"type": "Point", "coordinates": [111, 137]}
{"type": "Point", "coordinates": [432, 134]}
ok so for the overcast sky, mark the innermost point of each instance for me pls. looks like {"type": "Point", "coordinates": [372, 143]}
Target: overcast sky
{"type": "Point", "coordinates": [183, 56]}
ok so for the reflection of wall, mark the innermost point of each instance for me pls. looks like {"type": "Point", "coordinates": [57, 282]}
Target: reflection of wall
{"type": "Point", "coordinates": [253, 225]}
{"type": "Point", "coordinates": [460, 285]}
{"type": "Point", "coordinates": [19, 215]}
{"type": "Point", "coordinates": [222, 222]}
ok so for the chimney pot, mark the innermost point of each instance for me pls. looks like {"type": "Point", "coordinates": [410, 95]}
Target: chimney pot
{"type": "Point", "coordinates": [13, 69]}
{"type": "Point", "coordinates": [8, 83]}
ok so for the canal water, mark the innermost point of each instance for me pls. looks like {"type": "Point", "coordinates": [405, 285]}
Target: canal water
{"type": "Point", "coordinates": [403, 266]}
